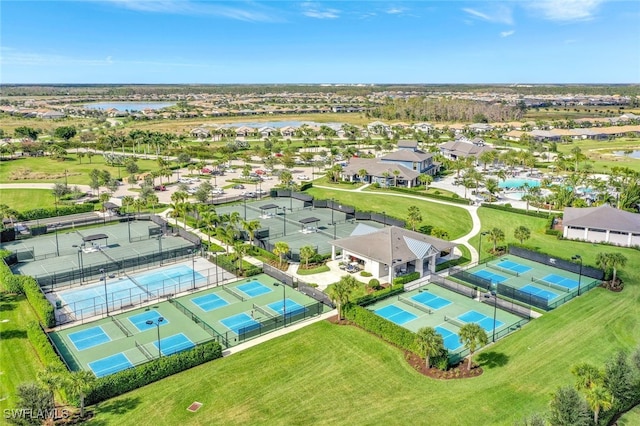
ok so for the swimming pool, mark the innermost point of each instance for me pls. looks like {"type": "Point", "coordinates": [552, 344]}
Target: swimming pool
{"type": "Point", "coordinates": [518, 183]}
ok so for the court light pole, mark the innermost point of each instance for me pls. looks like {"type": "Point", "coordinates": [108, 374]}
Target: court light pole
{"type": "Point", "coordinates": [106, 295]}
{"type": "Point", "coordinates": [193, 267]}
{"type": "Point", "coordinates": [80, 260]}
{"type": "Point", "coordinates": [574, 258]}
{"type": "Point", "coordinates": [244, 200]}
{"type": "Point", "coordinates": [55, 227]}
{"type": "Point", "coordinates": [495, 310]}
{"type": "Point", "coordinates": [157, 324]}
{"type": "Point", "coordinates": [284, 220]}
{"type": "Point", "coordinates": [284, 302]}
{"type": "Point", "coordinates": [160, 247]}
{"type": "Point", "coordinates": [384, 220]}
{"type": "Point", "coordinates": [129, 225]}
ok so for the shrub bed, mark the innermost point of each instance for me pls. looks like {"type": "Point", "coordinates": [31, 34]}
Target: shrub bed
{"type": "Point", "coordinates": [141, 375]}
{"type": "Point", "coordinates": [37, 300]}
{"type": "Point", "coordinates": [406, 278]}
{"type": "Point", "coordinates": [52, 212]}
{"type": "Point", "coordinates": [519, 211]}
{"type": "Point", "coordinates": [9, 283]}
{"type": "Point", "coordinates": [43, 347]}
{"type": "Point", "coordinates": [368, 299]}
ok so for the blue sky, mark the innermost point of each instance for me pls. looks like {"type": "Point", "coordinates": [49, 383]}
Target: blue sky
{"type": "Point", "coordinates": [188, 41]}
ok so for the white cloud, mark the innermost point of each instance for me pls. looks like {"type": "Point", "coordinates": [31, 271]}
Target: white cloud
{"type": "Point", "coordinates": [507, 33]}
{"type": "Point", "coordinates": [395, 10]}
{"type": "Point", "coordinates": [566, 10]}
{"type": "Point", "coordinates": [315, 10]}
{"type": "Point", "coordinates": [499, 14]}
{"type": "Point", "coordinates": [252, 13]}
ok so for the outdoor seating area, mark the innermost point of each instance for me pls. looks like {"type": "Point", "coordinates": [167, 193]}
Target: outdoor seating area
{"type": "Point", "coordinates": [351, 267]}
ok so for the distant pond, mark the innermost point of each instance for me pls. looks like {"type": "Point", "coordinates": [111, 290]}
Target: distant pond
{"type": "Point", "coordinates": [631, 154]}
{"type": "Point", "coordinates": [129, 106]}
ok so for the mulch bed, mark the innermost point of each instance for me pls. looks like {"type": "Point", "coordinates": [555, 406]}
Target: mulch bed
{"type": "Point", "coordinates": [460, 371]}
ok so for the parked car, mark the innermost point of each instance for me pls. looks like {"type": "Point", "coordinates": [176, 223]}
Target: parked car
{"type": "Point", "coordinates": [160, 188]}
{"type": "Point", "coordinates": [303, 177]}
{"type": "Point", "coordinates": [260, 191]}
{"type": "Point", "coordinates": [238, 186]}
{"type": "Point", "coordinates": [249, 194]}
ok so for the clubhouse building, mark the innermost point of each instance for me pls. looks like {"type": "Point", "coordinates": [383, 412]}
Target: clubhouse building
{"type": "Point", "coordinates": [602, 224]}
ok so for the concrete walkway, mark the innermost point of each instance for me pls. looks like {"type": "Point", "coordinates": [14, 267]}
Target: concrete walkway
{"type": "Point", "coordinates": [473, 212]}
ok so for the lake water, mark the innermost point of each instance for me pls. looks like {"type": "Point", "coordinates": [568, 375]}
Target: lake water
{"type": "Point", "coordinates": [129, 106]}
{"type": "Point", "coordinates": [632, 154]}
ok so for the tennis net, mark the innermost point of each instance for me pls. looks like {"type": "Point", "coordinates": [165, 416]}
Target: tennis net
{"type": "Point", "coordinates": [233, 293]}
{"type": "Point", "coordinates": [144, 351]}
{"type": "Point", "coordinates": [416, 305]}
{"type": "Point", "coordinates": [501, 269]}
{"type": "Point", "coordinates": [454, 321]}
{"type": "Point", "coordinates": [140, 286]}
{"type": "Point", "coordinates": [120, 326]}
{"type": "Point", "coordinates": [263, 311]}
{"type": "Point", "coordinates": [550, 285]}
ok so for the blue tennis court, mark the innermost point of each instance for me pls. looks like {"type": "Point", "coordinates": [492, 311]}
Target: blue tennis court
{"type": "Point", "coordinates": [140, 320]}
{"type": "Point", "coordinates": [209, 302]}
{"type": "Point", "coordinates": [89, 338]}
{"type": "Point", "coordinates": [292, 308]}
{"type": "Point", "coordinates": [491, 276]}
{"type": "Point", "coordinates": [431, 300]}
{"type": "Point", "coordinates": [480, 319]}
{"type": "Point", "coordinates": [395, 314]}
{"type": "Point", "coordinates": [109, 365]}
{"type": "Point", "coordinates": [516, 267]}
{"type": "Point", "coordinates": [240, 323]}
{"type": "Point", "coordinates": [561, 281]}
{"type": "Point", "coordinates": [170, 280]}
{"type": "Point", "coordinates": [174, 344]}
{"type": "Point", "coordinates": [545, 294]}
{"type": "Point", "coordinates": [254, 288]}
{"type": "Point", "coordinates": [451, 339]}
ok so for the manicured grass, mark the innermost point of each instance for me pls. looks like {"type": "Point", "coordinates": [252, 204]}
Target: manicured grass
{"type": "Point", "coordinates": [18, 361]}
{"type": "Point", "coordinates": [348, 370]}
{"type": "Point", "coordinates": [26, 199]}
{"type": "Point", "coordinates": [601, 153]}
{"type": "Point", "coordinates": [454, 220]}
{"type": "Point", "coordinates": [631, 418]}
{"type": "Point", "coordinates": [54, 171]}
{"type": "Point", "coordinates": [316, 270]}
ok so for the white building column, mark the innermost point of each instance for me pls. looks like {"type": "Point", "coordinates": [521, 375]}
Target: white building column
{"type": "Point", "coordinates": [607, 235]}
{"type": "Point", "coordinates": [586, 234]}
{"type": "Point", "coordinates": [333, 252]}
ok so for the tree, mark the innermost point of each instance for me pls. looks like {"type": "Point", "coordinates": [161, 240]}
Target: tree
{"type": "Point", "coordinates": [65, 132]}
{"type": "Point", "coordinates": [619, 379]}
{"type": "Point", "coordinates": [609, 262]}
{"type": "Point", "coordinates": [590, 380]}
{"type": "Point", "coordinates": [251, 227]}
{"type": "Point", "coordinates": [26, 132]}
{"type": "Point", "coordinates": [306, 253]}
{"type": "Point", "coordinates": [52, 377]}
{"type": "Point", "coordinates": [286, 178]}
{"type": "Point", "coordinates": [78, 384]}
{"type": "Point", "coordinates": [429, 342]}
{"type": "Point", "coordinates": [567, 408]}
{"type": "Point", "coordinates": [362, 174]}
{"type": "Point", "coordinates": [496, 235]}
{"type": "Point", "coordinates": [240, 250]}
{"type": "Point", "coordinates": [522, 233]}
{"type": "Point", "coordinates": [280, 249]}
{"type": "Point", "coordinates": [414, 217]}
{"type": "Point", "coordinates": [33, 398]}
{"type": "Point", "coordinates": [341, 291]}
{"type": "Point", "coordinates": [472, 336]}
{"type": "Point", "coordinates": [599, 399]}
{"type": "Point", "coordinates": [425, 180]}
{"type": "Point", "coordinates": [127, 201]}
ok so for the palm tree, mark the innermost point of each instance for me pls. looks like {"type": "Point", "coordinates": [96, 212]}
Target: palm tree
{"type": "Point", "coordinates": [492, 187]}
{"type": "Point", "coordinates": [341, 291]}
{"type": "Point", "coordinates": [240, 249]}
{"type": "Point", "coordinates": [414, 217]}
{"type": "Point", "coordinates": [429, 342]}
{"type": "Point", "coordinates": [78, 384]}
{"type": "Point", "coordinates": [306, 253]}
{"type": "Point", "coordinates": [599, 399]}
{"type": "Point", "coordinates": [127, 200]}
{"type": "Point", "coordinates": [251, 227]}
{"type": "Point", "coordinates": [425, 180]}
{"type": "Point", "coordinates": [138, 204]}
{"type": "Point", "coordinates": [473, 337]}
{"type": "Point", "coordinates": [281, 248]}
{"type": "Point", "coordinates": [590, 380]}
{"type": "Point", "coordinates": [362, 174]}
{"type": "Point", "coordinates": [228, 235]}
{"type": "Point", "coordinates": [496, 235]}
{"type": "Point", "coordinates": [53, 378]}
{"type": "Point", "coordinates": [522, 233]}
{"type": "Point", "coordinates": [396, 174]}
{"type": "Point", "coordinates": [210, 220]}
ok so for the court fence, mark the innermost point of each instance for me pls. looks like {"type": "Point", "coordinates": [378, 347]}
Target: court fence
{"type": "Point", "coordinates": [281, 321]}
{"type": "Point", "coordinates": [77, 276]}
{"type": "Point", "coordinates": [131, 298]}
{"type": "Point", "coordinates": [300, 285]}
{"type": "Point", "coordinates": [223, 340]}
{"type": "Point", "coordinates": [563, 264]}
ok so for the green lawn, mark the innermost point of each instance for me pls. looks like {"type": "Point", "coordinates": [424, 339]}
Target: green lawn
{"type": "Point", "coordinates": [601, 153]}
{"type": "Point", "coordinates": [631, 418]}
{"type": "Point", "coordinates": [18, 361]}
{"type": "Point", "coordinates": [48, 170]}
{"type": "Point", "coordinates": [455, 220]}
{"type": "Point", "coordinates": [26, 199]}
{"type": "Point", "coordinates": [329, 374]}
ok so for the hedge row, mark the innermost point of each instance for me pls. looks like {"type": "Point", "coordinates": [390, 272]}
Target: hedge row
{"type": "Point", "coordinates": [386, 330]}
{"type": "Point", "coordinates": [406, 278]}
{"type": "Point", "coordinates": [43, 308]}
{"type": "Point", "coordinates": [9, 283]}
{"type": "Point", "coordinates": [133, 378]}
{"type": "Point", "coordinates": [306, 185]}
{"type": "Point", "coordinates": [43, 347]}
{"type": "Point", "coordinates": [519, 211]}
{"type": "Point", "coordinates": [52, 212]}
{"type": "Point", "coordinates": [379, 295]}
{"type": "Point", "coordinates": [456, 200]}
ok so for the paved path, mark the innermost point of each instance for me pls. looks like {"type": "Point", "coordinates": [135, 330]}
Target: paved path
{"type": "Point", "coordinates": [473, 212]}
